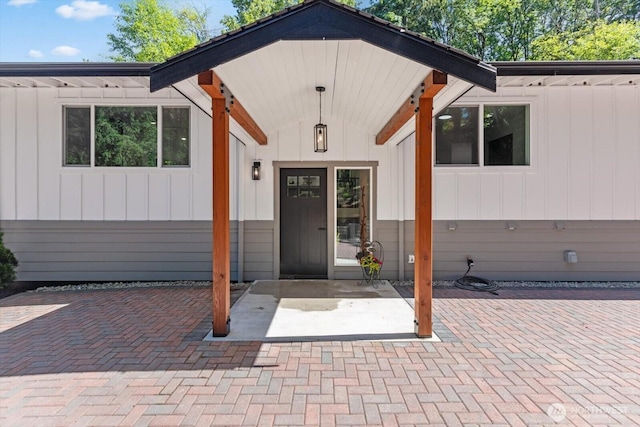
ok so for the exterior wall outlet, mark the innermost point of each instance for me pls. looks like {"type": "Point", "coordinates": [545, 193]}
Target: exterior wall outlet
{"type": "Point", "coordinates": [412, 259]}
{"type": "Point", "coordinates": [571, 257]}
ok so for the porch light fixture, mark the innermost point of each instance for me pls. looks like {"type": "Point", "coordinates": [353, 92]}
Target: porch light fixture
{"type": "Point", "coordinates": [255, 171]}
{"type": "Point", "coordinates": [320, 130]}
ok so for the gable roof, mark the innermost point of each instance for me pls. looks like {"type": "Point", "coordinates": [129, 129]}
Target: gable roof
{"type": "Point", "coordinates": [323, 20]}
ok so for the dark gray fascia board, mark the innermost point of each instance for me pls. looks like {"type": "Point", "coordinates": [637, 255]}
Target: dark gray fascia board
{"type": "Point", "coordinates": [566, 68]}
{"type": "Point", "coordinates": [75, 69]}
{"type": "Point", "coordinates": [322, 20]}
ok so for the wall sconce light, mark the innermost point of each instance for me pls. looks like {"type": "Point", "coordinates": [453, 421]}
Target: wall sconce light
{"type": "Point", "coordinates": [320, 130]}
{"type": "Point", "coordinates": [255, 171]}
{"type": "Point", "coordinates": [511, 225]}
{"type": "Point", "coordinates": [452, 225]}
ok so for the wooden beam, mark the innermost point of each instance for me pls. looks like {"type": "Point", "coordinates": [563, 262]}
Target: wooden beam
{"type": "Point", "coordinates": [207, 82]}
{"type": "Point", "coordinates": [431, 85]}
{"type": "Point", "coordinates": [221, 251]}
{"type": "Point", "coordinates": [211, 83]}
{"type": "Point", "coordinates": [243, 118]}
{"type": "Point", "coordinates": [400, 117]}
{"type": "Point", "coordinates": [423, 282]}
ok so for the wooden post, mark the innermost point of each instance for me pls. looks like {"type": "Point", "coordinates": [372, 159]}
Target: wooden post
{"type": "Point", "coordinates": [424, 224]}
{"type": "Point", "coordinates": [221, 258]}
{"type": "Point", "coordinates": [423, 291]}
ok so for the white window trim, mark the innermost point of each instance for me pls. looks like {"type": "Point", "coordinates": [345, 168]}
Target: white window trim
{"type": "Point", "coordinates": [339, 262]}
{"type": "Point", "coordinates": [498, 168]}
{"type": "Point", "coordinates": [92, 107]}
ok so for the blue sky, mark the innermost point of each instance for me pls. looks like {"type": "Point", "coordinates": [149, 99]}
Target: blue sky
{"type": "Point", "coordinates": [72, 30]}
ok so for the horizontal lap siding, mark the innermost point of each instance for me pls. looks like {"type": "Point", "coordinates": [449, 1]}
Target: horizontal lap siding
{"type": "Point", "coordinates": [258, 250]}
{"type": "Point", "coordinates": [181, 250]}
{"type": "Point", "coordinates": [103, 251]}
{"type": "Point", "coordinates": [607, 250]}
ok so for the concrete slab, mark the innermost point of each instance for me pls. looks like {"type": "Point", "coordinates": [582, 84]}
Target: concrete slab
{"type": "Point", "coordinates": [314, 310]}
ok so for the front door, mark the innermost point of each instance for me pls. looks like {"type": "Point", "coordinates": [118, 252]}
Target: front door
{"type": "Point", "coordinates": [303, 223]}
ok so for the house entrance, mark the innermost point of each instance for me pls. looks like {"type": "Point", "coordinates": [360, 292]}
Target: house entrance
{"type": "Point", "coordinates": [303, 223]}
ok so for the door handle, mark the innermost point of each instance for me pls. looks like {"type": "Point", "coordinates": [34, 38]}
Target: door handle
{"type": "Point", "coordinates": [322, 228]}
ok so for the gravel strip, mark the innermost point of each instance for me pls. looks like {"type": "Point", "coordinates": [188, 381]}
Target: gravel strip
{"type": "Point", "coordinates": [533, 284]}
{"type": "Point", "coordinates": [126, 285]}
{"type": "Point", "coordinates": [397, 283]}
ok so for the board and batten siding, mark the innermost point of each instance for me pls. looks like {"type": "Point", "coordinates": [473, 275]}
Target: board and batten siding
{"type": "Point", "coordinates": [35, 186]}
{"type": "Point", "coordinates": [585, 152]}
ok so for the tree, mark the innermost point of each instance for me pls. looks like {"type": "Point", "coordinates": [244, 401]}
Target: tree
{"type": "Point", "coordinates": [505, 30]}
{"type": "Point", "coordinates": [248, 11]}
{"type": "Point", "coordinates": [148, 31]}
{"type": "Point", "coordinates": [8, 264]}
{"type": "Point", "coordinates": [599, 41]}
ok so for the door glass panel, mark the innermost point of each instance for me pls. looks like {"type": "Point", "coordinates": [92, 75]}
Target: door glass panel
{"type": "Point", "coordinates": [353, 212]}
{"type": "Point", "coordinates": [304, 186]}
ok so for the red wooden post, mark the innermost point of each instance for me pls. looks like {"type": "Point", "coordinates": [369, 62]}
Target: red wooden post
{"type": "Point", "coordinates": [221, 255]}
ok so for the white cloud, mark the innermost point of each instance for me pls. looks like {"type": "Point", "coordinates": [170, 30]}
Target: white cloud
{"type": "Point", "coordinates": [83, 10]}
{"type": "Point", "coordinates": [35, 54]}
{"type": "Point", "coordinates": [65, 51]}
{"type": "Point", "coordinates": [19, 3]}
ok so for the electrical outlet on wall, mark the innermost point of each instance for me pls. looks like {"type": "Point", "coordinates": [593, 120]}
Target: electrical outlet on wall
{"type": "Point", "coordinates": [412, 259]}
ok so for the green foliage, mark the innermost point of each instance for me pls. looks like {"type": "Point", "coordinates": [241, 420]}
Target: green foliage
{"type": "Point", "coordinates": [248, 11]}
{"type": "Point", "coordinates": [600, 41]}
{"type": "Point", "coordinates": [8, 264]}
{"type": "Point", "coordinates": [126, 136]}
{"type": "Point", "coordinates": [77, 134]}
{"type": "Point", "coordinates": [148, 31]}
{"type": "Point", "coordinates": [371, 265]}
{"type": "Point", "coordinates": [175, 136]}
{"type": "Point", "coordinates": [509, 30]}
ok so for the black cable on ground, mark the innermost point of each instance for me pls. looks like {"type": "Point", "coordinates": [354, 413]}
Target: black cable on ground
{"type": "Point", "coordinates": [473, 283]}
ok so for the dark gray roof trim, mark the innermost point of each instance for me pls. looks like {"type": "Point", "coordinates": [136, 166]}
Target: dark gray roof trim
{"type": "Point", "coordinates": [75, 69]}
{"type": "Point", "coordinates": [322, 20]}
{"type": "Point", "coordinates": [566, 68]}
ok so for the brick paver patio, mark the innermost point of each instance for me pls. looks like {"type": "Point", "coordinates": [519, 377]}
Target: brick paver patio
{"type": "Point", "coordinates": [134, 357]}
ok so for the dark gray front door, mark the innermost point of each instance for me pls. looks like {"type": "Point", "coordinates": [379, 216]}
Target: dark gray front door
{"type": "Point", "coordinates": [303, 223]}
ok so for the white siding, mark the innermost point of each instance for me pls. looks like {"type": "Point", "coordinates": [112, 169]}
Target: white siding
{"type": "Point", "coordinates": [585, 148]}
{"type": "Point", "coordinates": [35, 186]}
{"type": "Point", "coordinates": [8, 113]}
{"type": "Point", "coordinates": [585, 152]}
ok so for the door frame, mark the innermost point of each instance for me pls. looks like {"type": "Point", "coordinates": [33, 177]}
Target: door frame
{"type": "Point", "coordinates": [330, 167]}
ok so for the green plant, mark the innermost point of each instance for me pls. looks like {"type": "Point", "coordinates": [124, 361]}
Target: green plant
{"type": "Point", "coordinates": [8, 264]}
{"type": "Point", "coordinates": [371, 264]}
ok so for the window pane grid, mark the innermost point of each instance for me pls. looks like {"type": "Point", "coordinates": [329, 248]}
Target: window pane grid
{"type": "Point", "coordinates": [77, 136]}
{"type": "Point", "coordinates": [175, 136]}
{"type": "Point", "coordinates": [126, 136]}
{"type": "Point", "coordinates": [503, 129]}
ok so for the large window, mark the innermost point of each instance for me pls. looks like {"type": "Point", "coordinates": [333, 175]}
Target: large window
{"type": "Point", "coordinates": [504, 130]}
{"type": "Point", "coordinates": [125, 136]}
{"type": "Point", "coordinates": [353, 212]}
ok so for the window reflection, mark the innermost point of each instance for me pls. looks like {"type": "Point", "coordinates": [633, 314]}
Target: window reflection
{"type": "Point", "coordinates": [353, 213]}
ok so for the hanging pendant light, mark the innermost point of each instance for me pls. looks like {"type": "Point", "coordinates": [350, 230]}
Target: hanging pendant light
{"type": "Point", "coordinates": [320, 130]}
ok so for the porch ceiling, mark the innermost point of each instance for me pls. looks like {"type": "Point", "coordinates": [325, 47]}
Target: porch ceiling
{"type": "Point", "coordinates": [364, 84]}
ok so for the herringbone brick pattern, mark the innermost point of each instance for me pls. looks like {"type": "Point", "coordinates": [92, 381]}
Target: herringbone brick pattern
{"type": "Point", "coordinates": [134, 357]}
